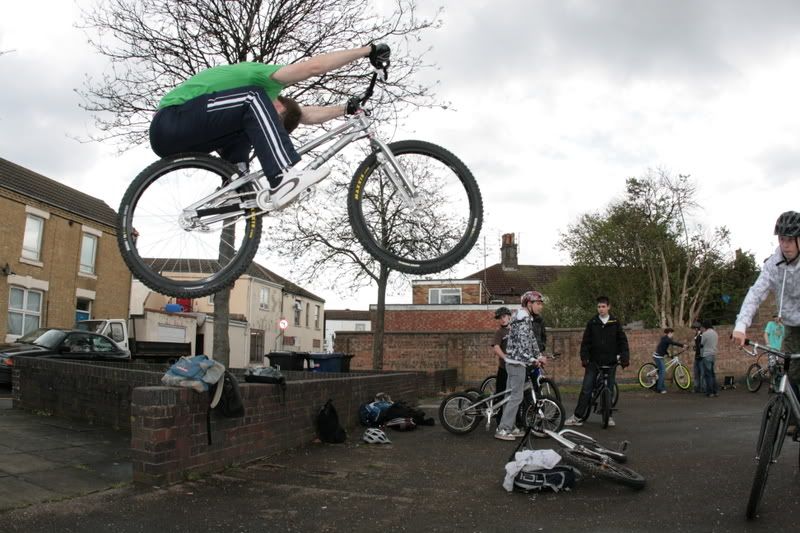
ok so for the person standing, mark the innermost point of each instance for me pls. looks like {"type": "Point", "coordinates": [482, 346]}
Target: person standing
{"type": "Point", "coordinates": [699, 379]}
{"type": "Point", "coordinates": [773, 332]}
{"type": "Point", "coordinates": [659, 355]}
{"type": "Point", "coordinates": [709, 342]}
{"type": "Point", "coordinates": [499, 344]}
{"type": "Point", "coordinates": [522, 350]}
{"type": "Point", "coordinates": [603, 342]}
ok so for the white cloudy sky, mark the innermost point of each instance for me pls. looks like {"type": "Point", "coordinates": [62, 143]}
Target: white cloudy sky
{"type": "Point", "coordinates": [554, 104]}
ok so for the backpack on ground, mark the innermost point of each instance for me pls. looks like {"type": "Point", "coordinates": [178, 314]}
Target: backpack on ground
{"type": "Point", "coordinates": [560, 477]}
{"type": "Point", "coordinates": [401, 409]}
{"type": "Point", "coordinates": [328, 426]}
{"type": "Point", "coordinates": [372, 414]}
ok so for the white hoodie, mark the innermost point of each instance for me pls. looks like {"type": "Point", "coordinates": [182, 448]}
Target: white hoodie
{"type": "Point", "coordinates": [784, 281]}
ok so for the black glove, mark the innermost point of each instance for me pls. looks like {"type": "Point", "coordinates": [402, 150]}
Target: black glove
{"type": "Point", "coordinates": [353, 105]}
{"type": "Point", "coordinates": [379, 55]}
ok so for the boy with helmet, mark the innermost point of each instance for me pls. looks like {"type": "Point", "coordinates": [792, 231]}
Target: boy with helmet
{"type": "Point", "coordinates": [781, 275]}
{"type": "Point", "coordinates": [522, 350]}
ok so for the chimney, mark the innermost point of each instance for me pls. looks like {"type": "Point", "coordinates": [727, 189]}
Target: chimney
{"type": "Point", "coordinates": [508, 253]}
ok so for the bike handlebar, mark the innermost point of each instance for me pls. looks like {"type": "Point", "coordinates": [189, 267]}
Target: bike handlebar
{"type": "Point", "coordinates": [756, 346]}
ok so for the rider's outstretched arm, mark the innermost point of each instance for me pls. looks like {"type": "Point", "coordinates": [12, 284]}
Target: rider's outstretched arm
{"type": "Point", "coordinates": [314, 114]}
{"type": "Point", "coordinates": [318, 65]}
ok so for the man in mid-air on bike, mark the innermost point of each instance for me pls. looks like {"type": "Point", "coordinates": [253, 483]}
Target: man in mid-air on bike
{"type": "Point", "coordinates": [522, 351]}
{"type": "Point", "coordinates": [232, 109]}
{"type": "Point", "coordinates": [659, 355]}
{"type": "Point", "coordinates": [781, 275]}
{"type": "Point", "coordinates": [603, 340]}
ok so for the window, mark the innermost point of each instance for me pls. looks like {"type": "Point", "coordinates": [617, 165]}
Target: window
{"type": "Point", "coordinates": [24, 311]}
{"type": "Point", "coordinates": [361, 327]}
{"type": "Point", "coordinates": [83, 309]}
{"type": "Point", "coordinates": [444, 296]}
{"type": "Point", "coordinates": [316, 316]}
{"type": "Point", "coordinates": [88, 253]}
{"type": "Point", "coordinates": [117, 334]}
{"type": "Point", "coordinates": [308, 313]}
{"type": "Point", "coordinates": [298, 307]}
{"type": "Point", "coordinates": [263, 298]}
{"type": "Point", "coordinates": [210, 299]}
{"type": "Point", "coordinates": [102, 345]}
{"type": "Point", "coordinates": [256, 346]}
{"type": "Point", "coordinates": [32, 241]}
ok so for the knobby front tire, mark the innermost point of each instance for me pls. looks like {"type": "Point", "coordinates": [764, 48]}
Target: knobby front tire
{"type": "Point", "coordinates": [550, 414]}
{"type": "Point", "coordinates": [681, 377]}
{"type": "Point", "coordinates": [609, 470]}
{"type": "Point", "coordinates": [161, 252]}
{"type": "Point", "coordinates": [489, 385]}
{"type": "Point", "coordinates": [765, 453]}
{"type": "Point", "coordinates": [457, 415]}
{"type": "Point", "coordinates": [648, 375]}
{"type": "Point", "coordinates": [436, 235]}
{"type": "Point", "coordinates": [754, 379]}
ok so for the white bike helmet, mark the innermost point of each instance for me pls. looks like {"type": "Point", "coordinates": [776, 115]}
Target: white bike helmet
{"type": "Point", "coordinates": [375, 436]}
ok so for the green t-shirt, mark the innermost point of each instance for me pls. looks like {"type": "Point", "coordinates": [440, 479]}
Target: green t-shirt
{"type": "Point", "coordinates": [774, 334]}
{"type": "Point", "coordinates": [223, 78]}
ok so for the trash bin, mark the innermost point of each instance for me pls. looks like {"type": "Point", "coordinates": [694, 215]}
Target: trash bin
{"type": "Point", "coordinates": [287, 360]}
{"type": "Point", "coordinates": [346, 361]}
{"type": "Point", "coordinates": [326, 362]}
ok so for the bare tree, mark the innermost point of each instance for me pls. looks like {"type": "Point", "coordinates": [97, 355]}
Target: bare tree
{"type": "Point", "coordinates": [153, 45]}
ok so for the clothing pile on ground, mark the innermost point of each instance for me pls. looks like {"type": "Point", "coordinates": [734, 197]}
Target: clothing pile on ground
{"type": "Point", "coordinates": [399, 416]}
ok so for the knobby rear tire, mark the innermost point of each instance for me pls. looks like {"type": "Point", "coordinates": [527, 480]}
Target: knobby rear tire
{"type": "Point", "coordinates": [456, 414]}
{"type": "Point", "coordinates": [605, 406]}
{"type": "Point", "coordinates": [765, 452]}
{"type": "Point", "coordinates": [647, 377]}
{"type": "Point", "coordinates": [610, 470]}
{"type": "Point", "coordinates": [366, 177]}
{"type": "Point", "coordinates": [149, 269]}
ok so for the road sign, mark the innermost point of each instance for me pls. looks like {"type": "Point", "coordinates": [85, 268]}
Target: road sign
{"type": "Point", "coordinates": [283, 324]}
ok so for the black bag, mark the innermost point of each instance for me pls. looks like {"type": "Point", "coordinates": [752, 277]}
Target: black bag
{"type": "Point", "coordinates": [230, 402]}
{"type": "Point", "coordinates": [400, 409]}
{"type": "Point", "coordinates": [328, 426]}
{"type": "Point", "coordinates": [560, 477]}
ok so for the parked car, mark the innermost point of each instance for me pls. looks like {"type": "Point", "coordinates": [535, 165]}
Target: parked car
{"type": "Point", "coordinates": [62, 344]}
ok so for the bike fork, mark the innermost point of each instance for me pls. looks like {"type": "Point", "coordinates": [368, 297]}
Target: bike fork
{"type": "Point", "coordinates": [394, 170]}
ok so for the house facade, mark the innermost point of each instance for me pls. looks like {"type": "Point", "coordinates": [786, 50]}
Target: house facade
{"type": "Point", "coordinates": [340, 320]}
{"type": "Point", "coordinates": [260, 303]}
{"type": "Point", "coordinates": [58, 255]}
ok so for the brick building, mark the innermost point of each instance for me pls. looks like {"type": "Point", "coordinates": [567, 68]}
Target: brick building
{"type": "Point", "coordinates": [58, 255]}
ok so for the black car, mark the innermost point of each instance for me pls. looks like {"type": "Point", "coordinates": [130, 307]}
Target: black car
{"type": "Point", "coordinates": [62, 344]}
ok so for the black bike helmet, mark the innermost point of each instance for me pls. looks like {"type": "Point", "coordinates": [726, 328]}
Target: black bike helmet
{"type": "Point", "coordinates": [502, 311]}
{"type": "Point", "coordinates": [788, 224]}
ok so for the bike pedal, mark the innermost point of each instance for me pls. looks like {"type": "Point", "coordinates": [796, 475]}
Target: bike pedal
{"type": "Point", "coordinates": [623, 447]}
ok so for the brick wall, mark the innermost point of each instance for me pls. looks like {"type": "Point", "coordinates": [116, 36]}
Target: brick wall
{"type": "Point", "coordinates": [169, 439]}
{"type": "Point", "coordinates": [99, 394]}
{"type": "Point", "coordinates": [470, 292]}
{"type": "Point", "coordinates": [470, 353]}
{"type": "Point", "coordinates": [434, 319]}
{"type": "Point", "coordinates": [168, 425]}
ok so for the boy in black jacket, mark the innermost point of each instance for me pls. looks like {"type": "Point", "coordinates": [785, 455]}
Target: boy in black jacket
{"type": "Point", "coordinates": [603, 340]}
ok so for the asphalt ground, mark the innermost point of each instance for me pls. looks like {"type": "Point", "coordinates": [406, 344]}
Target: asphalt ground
{"type": "Point", "coordinates": [696, 453]}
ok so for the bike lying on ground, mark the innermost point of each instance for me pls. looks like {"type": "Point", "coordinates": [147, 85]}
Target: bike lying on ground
{"type": "Point", "coordinates": [461, 412]}
{"type": "Point", "coordinates": [190, 224]}
{"type": "Point", "coordinates": [587, 455]}
{"type": "Point", "coordinates": [547, 386]}
{"type": "Point", "coordinates": [758, 374]}
{"type": "Point", "coordinates": [774, 422]}
{"type": "Point", "coordinates": [681, 377]}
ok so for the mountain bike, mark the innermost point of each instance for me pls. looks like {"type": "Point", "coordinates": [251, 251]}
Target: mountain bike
{"type": "Point", "coordinates": [681, 376]}
{"type": "Point", "coordinates": [461, 412]}
{"type": "Point", "coordinates": [587, 455]}
{"type": "Point", "coordinates": [190, 224]}
{"type": "Point", "coordinates": [548, 386]}
{"type": "Point", "coordinates": [773, 425]}
{"type": "Point", "coordinates": [757, 374]}
{"type": "Point", "coordinates": [603, 396]}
